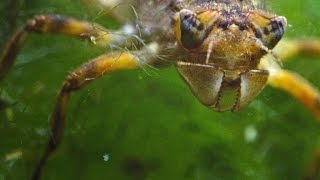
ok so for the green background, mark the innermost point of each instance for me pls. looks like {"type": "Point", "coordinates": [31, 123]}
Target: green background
{"type": "Point", "coordinates": [146, 121]}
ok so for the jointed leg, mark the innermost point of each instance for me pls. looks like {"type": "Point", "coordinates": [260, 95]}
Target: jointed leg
{"type": "Point", "coordinates": [10, 52]}
{"type": "Point", "coordinates": [295, 85]}
{"type": "Point", "coordinates": [299, 88]}
{"type": "Point", "coordinates": [309, 96]}
{"type": "Point", "coordinates": [292, 48]}
{"type": "Point", "coordinates": [291, 82]}
{"type": "Point", "coordinates": [313, 169]}
{"type": "Point", "coordinates": [58, 25]}
{"type": "Point", "coordinates": [76, 80]}
{"type": "Point", "coordinates": [81, 76]}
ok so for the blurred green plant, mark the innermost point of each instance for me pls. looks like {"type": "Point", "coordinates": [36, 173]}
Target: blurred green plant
{"type": "Point", "coordinates": [149, 125]}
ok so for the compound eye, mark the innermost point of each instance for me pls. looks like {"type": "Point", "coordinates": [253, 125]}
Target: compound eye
{"type": "Point", "coordinates": [192, 30]}
{"type": "Point", "coordinates": [269, 29]}
{"type": "Point", "coordinates": [275, 30]}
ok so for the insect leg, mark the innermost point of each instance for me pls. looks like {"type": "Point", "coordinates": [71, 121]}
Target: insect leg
{"type": "Point", "coordinates": [82, 76]}
{"type": "Point", "coordinates": [76, 80]}
{"type": "Point", "coordinates": [290, 48]}
{"type": "Point", "coordinates": [298, 87]}
{"type": "Point", "coordinates": [58, 25]}
{"type": "Point", "coordinates": [301, 89]}
{"type": "Point", "coordinates": [313, 168]}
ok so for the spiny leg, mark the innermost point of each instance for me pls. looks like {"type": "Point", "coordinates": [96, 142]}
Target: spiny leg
{"type": "Point", "coordinates": [76, 80]}
{"type": "Point", "coordinates": [58, 25]}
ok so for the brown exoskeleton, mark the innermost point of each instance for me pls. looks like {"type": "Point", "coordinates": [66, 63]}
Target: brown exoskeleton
{"type": "Point", "coordinates": [222, 48]}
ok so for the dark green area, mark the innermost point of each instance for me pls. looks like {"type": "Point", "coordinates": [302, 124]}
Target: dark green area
{"type": "Point", "coordinates": [147, 121]}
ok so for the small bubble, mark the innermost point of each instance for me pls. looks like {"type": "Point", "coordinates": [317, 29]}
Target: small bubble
{"type": "Point", "coordinates": [106, 157]}
{"type": "Point", "coordinates": [250, 134]}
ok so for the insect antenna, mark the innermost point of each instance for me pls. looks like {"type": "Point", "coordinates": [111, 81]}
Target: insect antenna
{"type": "Point", "coordinates": [210, 47]}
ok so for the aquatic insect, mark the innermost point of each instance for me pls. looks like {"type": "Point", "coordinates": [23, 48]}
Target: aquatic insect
{"type": "Point", "coordinates": [225, 50]}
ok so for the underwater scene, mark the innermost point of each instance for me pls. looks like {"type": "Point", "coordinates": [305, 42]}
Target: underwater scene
{"type": "Point", "coordinates": [145, 123]}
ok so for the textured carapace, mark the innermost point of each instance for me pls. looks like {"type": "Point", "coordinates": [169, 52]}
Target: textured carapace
{"type": "Point", "coordinates": [222, 43]}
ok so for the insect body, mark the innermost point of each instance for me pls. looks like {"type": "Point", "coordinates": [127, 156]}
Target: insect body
{"type": "Point", "coordinates": [223, 49]}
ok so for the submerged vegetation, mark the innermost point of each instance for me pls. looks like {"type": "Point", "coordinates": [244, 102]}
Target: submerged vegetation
{"type": "Point", "coordinates": [145, 124]}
